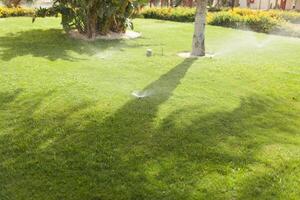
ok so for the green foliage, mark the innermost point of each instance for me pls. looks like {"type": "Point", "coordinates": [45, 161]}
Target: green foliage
{"type": "Point", "coordinates": [289, 16]}
{"type": "Point", "coordinates": [293, 17]}
{"type": "Point", "coordinates": [259, 21]}
{"type": "Point", "coordinates": [225, 19]}
{"type": "Point", "coordinates": [179, 14]}
{"type": "Point", "coordinates": [92, 16]}
{"type": "Point", "coordinates": [14, 12]}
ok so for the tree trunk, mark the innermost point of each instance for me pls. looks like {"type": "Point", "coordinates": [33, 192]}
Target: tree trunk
{"type": "Point", "coordinates": [277, 4]}
{"type": "Point", "coordinates": [199, 32]}
{"type": "Point", "coordinates": [269, 4]}
{"type": "Point", "coordinates": [216, 4]}
{"type": "Point", "coordinates": [12, 3]}
{"type": "Point", "coordinates": [91, 30]}
{"type": "Point", "coordinates": [236, 3]}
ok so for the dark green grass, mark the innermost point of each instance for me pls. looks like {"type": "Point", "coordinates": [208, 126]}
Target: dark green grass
{"type": "Point", "coordinates": [221, 128]}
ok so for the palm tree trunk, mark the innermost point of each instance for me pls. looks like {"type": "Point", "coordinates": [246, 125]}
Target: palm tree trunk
{"type": "Point", "coordinates": [91, 24]}
{"type": "Point", "coordinates": [199, 32]}
{"type": "Point", "coordinates": [236, 3]}
{"type": "Point", "coordinates": [216, 3]}
{"type": "Point", "coordinates": [13, 3]}
{"type": "Point", "coordinates": [297, 6]}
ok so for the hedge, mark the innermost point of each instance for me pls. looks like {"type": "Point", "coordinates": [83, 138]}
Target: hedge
{"type": "Point", "coordinates": [260, 21]}
{"type": "Point", "coordinates": [14, 12]}
{"type": "Point", "coordinates": [179, 14]}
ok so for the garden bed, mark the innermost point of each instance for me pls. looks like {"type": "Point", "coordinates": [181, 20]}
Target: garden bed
{"type": "Point", "coordinates": [272, 21]}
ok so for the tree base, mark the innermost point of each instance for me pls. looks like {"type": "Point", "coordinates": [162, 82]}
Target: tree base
{"type": "Point", "coordinates": [110, 36]}
{"type": "Point", "coordinates": [189, 55]}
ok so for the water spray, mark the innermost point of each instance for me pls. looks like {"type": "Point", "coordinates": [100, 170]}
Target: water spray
{"type": "Point", "coordinates": [141, 94]}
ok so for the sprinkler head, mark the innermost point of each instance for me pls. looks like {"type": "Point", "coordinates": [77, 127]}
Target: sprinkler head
{"type": "Point", "coordinates": [149, 53]}
{"type": "Point", "coordinates": [210, 56]}
{"type": "Point", "coordinates": [140, 94]}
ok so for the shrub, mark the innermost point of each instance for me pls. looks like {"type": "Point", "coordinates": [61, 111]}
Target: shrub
{"type": "Point", "coordinates": [290, 16]}
{"type": "Point", "coordinates": [253, 20]}
{"type": "Point", "coordinates": [260, 21]}
{"type": "Point", "coordinates": [244, 11]}
{"type": "Point", "coordinates": [14, 12]}
{"type": "Point", "coordinates": [93, 17]}
{"type": "Point", "coordinates": [225, 19]}
{"type": "Point", "coordinates": [179, 14]}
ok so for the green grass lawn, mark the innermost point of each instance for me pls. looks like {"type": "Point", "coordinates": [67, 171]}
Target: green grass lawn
{"type": "Point", "coordinates": [221, 128]}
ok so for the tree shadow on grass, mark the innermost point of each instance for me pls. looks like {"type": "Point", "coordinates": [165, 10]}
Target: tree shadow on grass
{"type": "Point", "coordinates": [277, 182]}
{"type": "Point", "coordinates": [126, 156]}
{"type": "Point", "coordinates": [8, 97]}
{"type": "Point", "coordinates": [53, 44]}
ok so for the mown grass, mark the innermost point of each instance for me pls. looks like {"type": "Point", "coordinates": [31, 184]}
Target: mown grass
{"type": "Point", "coordinates": [221, 128]}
